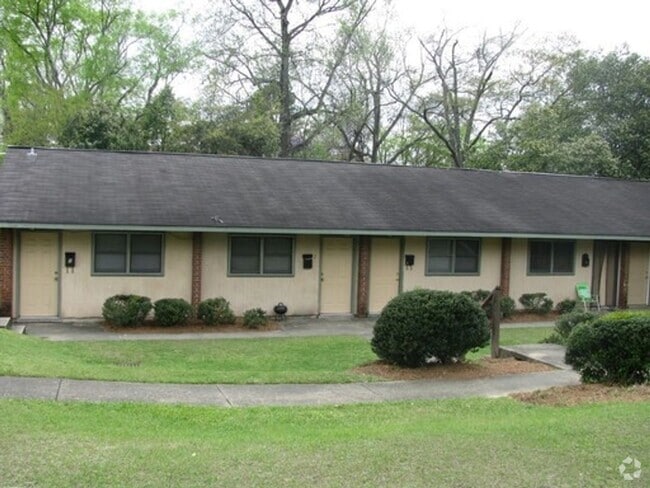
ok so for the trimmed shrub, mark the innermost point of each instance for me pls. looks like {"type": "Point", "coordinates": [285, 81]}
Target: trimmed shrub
{"type": "Point", "coordinates": [566, 306]}
{"type": "Point", "coordinates": [565, 324]}
{"type": "Point", "coordinates": [215, 311]}
{"type": "Point", "coordinates": [536, 303]}
{"type": "Point", "coordinates": [420, 325]}
{"type": "Point", "coordinates": [614, 348]}
{"type": "Point", "coordinates": [254, 318]}
{"type": "Point", "coordinates": [172, 311]}
{"type": "Point", "coordinates": [479, 296]}
{"type": "Point", "coordinates": [126, 310]}
{"type": "Point", "coordinates": [507, 306]}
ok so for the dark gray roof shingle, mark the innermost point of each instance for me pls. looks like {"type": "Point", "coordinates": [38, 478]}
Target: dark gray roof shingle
{"type": "Point", "coordinates": [154, 190]}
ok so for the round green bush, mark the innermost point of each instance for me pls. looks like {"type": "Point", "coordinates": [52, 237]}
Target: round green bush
{"type": "Point", "coordinates": [507, 306]}
{"type": "Point", "coordinates": [537, 303]}
{"type": "Point", "coordinates": [254, 318]}
{"type": "Point", "coordinates": [215, 311]}
{"type": "Point", "coordinates": [566, 306]}
{"type": "Point", "coordinates": [172, 311]}
{"type": "Point", "coordinates": [126, 310]}
{"type": "Point", "coordinates": [479, 296]}
{"type": "Point", "coordinates": [565, 324]}
{"type": "Point", "coordinates": [420, 325]}
{"type": "Point", "coordinates": [614, 348]}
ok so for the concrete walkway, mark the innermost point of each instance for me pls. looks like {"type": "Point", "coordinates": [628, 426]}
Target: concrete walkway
{"type": "Point", "coordinates": [277, 395]}
{"type": "Point", "coordinates": [287, 394]}
{"type": "Point", "coordinates": [93, 330]}
{"type": "Point", "coordinates": [551, 354]}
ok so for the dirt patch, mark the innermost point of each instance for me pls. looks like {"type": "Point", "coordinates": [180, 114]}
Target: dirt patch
{"type": "Point", "coordinates": [193, 326]}
{"type": "Point", "coordinates": [483, 368]}
{"type": "Point", "coordinates": [579, 394]}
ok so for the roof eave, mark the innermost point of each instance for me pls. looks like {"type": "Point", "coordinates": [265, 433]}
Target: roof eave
{"type": "Point", "coordinates": [296, 231]}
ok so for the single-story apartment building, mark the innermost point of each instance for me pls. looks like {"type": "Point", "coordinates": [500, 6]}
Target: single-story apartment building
{"type": "Point", "coordinates": [78, 226]}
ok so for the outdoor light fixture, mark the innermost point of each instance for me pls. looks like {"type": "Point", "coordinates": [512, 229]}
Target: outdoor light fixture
{"type": "Point", "coordinates": [32, 155]}
{"type": "Point", "coordinates": [585, 260]}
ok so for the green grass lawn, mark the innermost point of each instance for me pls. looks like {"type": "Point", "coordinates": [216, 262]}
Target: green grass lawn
{"type": "Point", "coordinates": [293, 360]}
{"type": "Point", "coordinates": [450, 443]}
{"type": "Point", "coordinates": [273, 360]}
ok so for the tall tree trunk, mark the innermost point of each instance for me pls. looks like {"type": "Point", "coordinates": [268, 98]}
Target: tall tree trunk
{"type": "Point", "coordinates": [285, 85]}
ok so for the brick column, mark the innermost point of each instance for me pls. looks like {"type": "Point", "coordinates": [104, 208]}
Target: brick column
{"type": "Point", "coordinates": [197, 258]}
{"type": "Point", "coordinates": [506, 253]}
{"type": "Point", "coordinates": [6, 272]}
{"type": "Point", "coordinates": [624, 275]}
{"type": "Point", "coordinates": [363, 282]}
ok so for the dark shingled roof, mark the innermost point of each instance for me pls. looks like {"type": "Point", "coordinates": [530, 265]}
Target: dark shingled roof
{"type": "Point", "coordinates": [100, 189]}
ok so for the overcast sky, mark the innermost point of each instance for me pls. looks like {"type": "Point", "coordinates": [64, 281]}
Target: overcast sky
{"type": "Point", "coordinates": [597, 24]}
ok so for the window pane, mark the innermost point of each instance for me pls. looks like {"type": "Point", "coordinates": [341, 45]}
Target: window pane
{"type": "Point", "coordinates": [245, 255]}
{"type": "Point", "coordinates": [277, 255]}
{"type": "Point", "coordinates": [467, 252]}
{"type": "Point", "coordinates": [563, 253]}
{"type": "Point", "coordinates": [466, 265]}
{"type": "Point", "coordinates": [110, 253]}
{"type": "Point", "coordinates": [146, 253]}
{"type": "Point", "coordinates": [440, 256]}
{"type": "Point", "coordinates": [540, 257]}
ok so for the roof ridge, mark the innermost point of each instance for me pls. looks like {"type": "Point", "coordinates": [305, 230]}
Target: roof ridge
{"type": "Point", "coordinates": [336, 162]}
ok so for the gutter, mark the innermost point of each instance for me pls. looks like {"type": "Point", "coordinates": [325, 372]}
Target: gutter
{"type": "Point", "coordinates": [301, 231]}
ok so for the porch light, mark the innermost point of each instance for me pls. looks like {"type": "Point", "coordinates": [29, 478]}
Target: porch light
{"type": "Point", "coordinates": [32, 155]}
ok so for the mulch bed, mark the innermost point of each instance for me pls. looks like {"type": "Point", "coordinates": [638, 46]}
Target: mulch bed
{"type": "Point", "coordinates": [579, 394]}
{"type": "Point", "coordinates": [484, 368]}
{"type": "Point", "coordinates": [192, 326]}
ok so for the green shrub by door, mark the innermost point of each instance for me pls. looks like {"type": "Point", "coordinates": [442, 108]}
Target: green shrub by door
{"type": "Point", "coordinates": [126, 310]}
{"type": "Point", "coordinates": [172, 311]}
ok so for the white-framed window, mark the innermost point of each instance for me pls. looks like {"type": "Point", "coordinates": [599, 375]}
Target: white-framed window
{"type": "Point", "coordinates": [261, 255]}
{"type": "Point", "coordinates": [127, 253]}
{"type": "Point", "coordinates": [551, 257]}
{"type": "Point", "coordinates": [453, 256]}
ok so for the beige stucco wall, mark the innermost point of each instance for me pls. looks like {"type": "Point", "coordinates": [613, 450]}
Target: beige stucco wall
{"type": "Point", "coordinates": [557, 287]}
{"type": "Point", "coordinates": [82, 294]}
{"type": "Point", "coordinates": [299, 292]}
{"type": "Point", "coordinates": [490, 269]}
{"type": "Point", "coordinates": [638, 281]}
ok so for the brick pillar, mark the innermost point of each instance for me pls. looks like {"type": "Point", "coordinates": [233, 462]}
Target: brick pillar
{"type": "Point", "coordinates": [6, 272]}
{"type": "Point", "coordinates": [506, 253]}
{"type": "Point", "coordinates": [624, 275]}
{"type": "Point", "coordinates": [363, 282]}
{"type": "Point", "coordinates": [197, 254]}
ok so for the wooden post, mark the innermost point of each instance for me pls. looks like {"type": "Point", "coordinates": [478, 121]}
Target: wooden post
{"type": "Point", "coordinates": [495, 322]}
{"type": "Point", "coordinates": [363, 282]}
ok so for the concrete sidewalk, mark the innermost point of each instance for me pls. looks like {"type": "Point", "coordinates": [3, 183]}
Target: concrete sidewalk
{"type": "Point", "coordinates": [93, 330]}
{"type": "Point", "coordinates": [277, 395]}
{"type": "Point", "coordinates": [226, 395]}
{"type": "Point", "coordinates": [551, 354]}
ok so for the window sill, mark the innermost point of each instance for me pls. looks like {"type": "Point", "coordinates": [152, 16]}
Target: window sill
{"type": "Point", "coordinates": [148, 275]}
